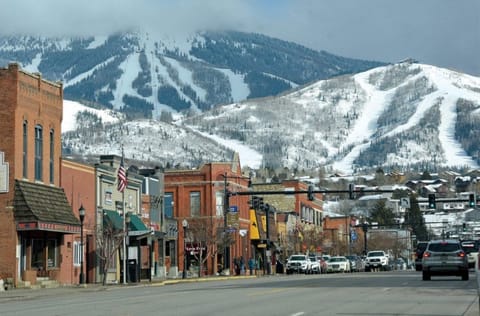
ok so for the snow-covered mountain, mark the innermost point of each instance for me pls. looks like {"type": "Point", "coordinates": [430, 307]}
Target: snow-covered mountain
{"type": "Point", "coordinates": [143, 75]}
{"type": "Point", "coordinates": [398, 117]}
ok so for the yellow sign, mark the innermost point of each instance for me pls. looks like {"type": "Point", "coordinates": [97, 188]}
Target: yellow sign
{"type": "Point", "coordinates": [262, 246]}
{"type": "Point", "coordinates": [254, 232]}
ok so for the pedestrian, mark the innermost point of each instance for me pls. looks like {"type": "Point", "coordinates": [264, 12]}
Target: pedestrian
{"type": "Point", "coordinates": [236, 263]}
{"type": "Point", "coordinates": [242, 265]}
{"type": "Point", "coordinates": [251, 265]}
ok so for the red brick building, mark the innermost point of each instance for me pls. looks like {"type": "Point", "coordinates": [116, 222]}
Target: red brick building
{"type": "Point", "coordinates": [78, 182]}
{"type": "Point", "coordinates": [198, 196]}
{"type": "Point", "coordinates": [38, 224]}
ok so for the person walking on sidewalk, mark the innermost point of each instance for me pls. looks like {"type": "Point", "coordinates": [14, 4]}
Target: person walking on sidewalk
{"type": "Point", "coordinates": [251, 265]}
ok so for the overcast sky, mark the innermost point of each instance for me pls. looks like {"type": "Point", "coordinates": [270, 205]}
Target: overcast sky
{"type": "Point", "coordinates": [443, 33]}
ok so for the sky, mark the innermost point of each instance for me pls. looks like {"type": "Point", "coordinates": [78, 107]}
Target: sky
{"type": "Point", "coordinates": [443, 33]}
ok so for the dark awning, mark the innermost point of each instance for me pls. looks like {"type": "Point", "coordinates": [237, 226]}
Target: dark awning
{"type": "Point", "coordinates": [43, 207]}
{"type": "Point", "coordinates": [112, 219]}
{"type": "Point", "coordinates": [137, 227]}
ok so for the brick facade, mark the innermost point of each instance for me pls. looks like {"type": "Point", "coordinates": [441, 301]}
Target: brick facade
{"type": "Point", "coordinates": [78, 181]}
{"type": "Point", "coordinates": [29, 104]}
{"type": "Point", "coordinates": [208, 181]}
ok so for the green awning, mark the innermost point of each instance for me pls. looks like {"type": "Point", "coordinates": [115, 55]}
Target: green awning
{"type": "Point", "coordinates": [112, 219]}
{"type": "Point", "coordinates": [136, 224]}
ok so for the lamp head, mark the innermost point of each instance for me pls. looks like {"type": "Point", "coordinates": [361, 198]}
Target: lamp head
{"type": "Point", "coordinates": [81, 212]}
{"type": "Point", "coordinates": [185, 223]}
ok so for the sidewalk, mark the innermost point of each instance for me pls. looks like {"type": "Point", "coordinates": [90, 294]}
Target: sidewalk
{"type": "Point", "coordinates": [21, 293]}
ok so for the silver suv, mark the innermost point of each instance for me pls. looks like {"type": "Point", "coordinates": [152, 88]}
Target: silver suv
{"type": "Point", "coordinates": [444, 257]}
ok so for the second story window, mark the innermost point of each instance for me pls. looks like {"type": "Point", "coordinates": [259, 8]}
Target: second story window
{"type": "Point", "coordinates": [168, 205]}
{"type": "Point", "coordinates": [219, 203]}
{"type": "Point", "coordinates": [25, 150]}
{"type": "Point", "coordinates": [52, 152]}
{"type": "Point", "coordinates": [38, 152]}
{"type": "Point", "coordinates": [195, 203]}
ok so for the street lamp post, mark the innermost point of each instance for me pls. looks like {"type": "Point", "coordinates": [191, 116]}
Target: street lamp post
{"type": "Point", "coordinates": [185, 226]}
{"type": "Point", "coordinates": [127, 244]}
{"type": "Point", "coordinates": [81, 212]}
{"type": "Point", "coordinates": [365, 230]}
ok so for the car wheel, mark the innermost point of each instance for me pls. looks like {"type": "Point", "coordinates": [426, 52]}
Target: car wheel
{"type": "Point", "coordinates": [425, 276]}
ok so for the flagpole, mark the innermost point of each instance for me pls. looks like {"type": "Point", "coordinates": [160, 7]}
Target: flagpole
{"type": "Point", "coordinates": [124, 240]}
{"type": "Point", "coordinates": [124, 231]}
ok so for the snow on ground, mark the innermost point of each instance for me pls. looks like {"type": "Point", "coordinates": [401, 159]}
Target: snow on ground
{"type": "Point", "coordinates": [97, 41]}
{"type": "Point", "coordinates": [33, 66]}
{"type": "Point", "coordinates": [70, 110]}
{"type": "Point", "coordinates": [248, 156]}
{"type": "Point", "coordinates": [448, 92]}
{"type": "Point", "coordinates": [240, 90]}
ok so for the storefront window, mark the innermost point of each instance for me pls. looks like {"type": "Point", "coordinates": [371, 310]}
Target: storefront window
{"type": "Point", "coordinates": [52, 253]}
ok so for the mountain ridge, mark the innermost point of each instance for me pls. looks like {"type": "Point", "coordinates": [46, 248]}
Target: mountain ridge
{"type": "Point", "coordinates": [142, 75]}
{"type": "Point", "coordinates": [397, 117]}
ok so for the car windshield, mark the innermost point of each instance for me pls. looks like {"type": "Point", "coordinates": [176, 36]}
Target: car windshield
{"type": "Point", "coordinates": [296, 258]}
{"type": "Point", "coordinates": [337, 259]}
{"type": "Point", "coordinates": [376, 254]}
{"type": "Point", "coordinates": [444, 247]}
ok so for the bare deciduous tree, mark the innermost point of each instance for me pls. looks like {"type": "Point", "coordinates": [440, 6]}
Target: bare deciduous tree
{"type": "Point", "coordinates": [108, 241]}
{"type": "Point", "coordinates": [206, 233]}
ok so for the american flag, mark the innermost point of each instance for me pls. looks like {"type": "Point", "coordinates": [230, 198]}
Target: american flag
{"type": "Point", "coordinates": [122, 177]}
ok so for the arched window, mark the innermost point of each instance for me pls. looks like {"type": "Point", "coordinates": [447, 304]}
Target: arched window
{"type": "Point", "coordinates": [52, 147]}
{"type": "Point", "coordinates": [25, 149]}
{"type": "Point", "coordinates": [38, 152]}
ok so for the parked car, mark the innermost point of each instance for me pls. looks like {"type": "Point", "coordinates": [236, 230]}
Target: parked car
{"type": "Point", "coordinates": [444, 257]}
{"type": "Point", "coordinates": [356, 263]}
{"type": "Point", "coordinates": [298, 264]}
{"type": "Point", "coordinates": [338, 264]}
{"type": "Point", "coordinates": [471, 249]}
{"type": "Point", "coordinates": [421, 245]}
{"type": "Point", "coordinates": [314, 265]}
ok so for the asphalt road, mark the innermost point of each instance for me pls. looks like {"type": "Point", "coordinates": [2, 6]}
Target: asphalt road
{"type": "Point", "coordinates": [382, 293]}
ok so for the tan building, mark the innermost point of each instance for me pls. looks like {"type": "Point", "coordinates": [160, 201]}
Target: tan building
{"type": "Point", "coordinates": [38, 224]}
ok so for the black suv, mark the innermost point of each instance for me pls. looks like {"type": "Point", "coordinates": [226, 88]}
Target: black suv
{"type": "Point", "coordinates": [421, 245]}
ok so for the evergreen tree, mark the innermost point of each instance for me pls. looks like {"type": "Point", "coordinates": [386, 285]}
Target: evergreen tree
{"type": "Point", "coordinates": [415, 220]}
{"type": "Point", "coordinates": [382, 214]}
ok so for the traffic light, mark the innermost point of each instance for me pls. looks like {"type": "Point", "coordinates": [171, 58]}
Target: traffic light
{"type": "Point", "coordinates": [254, 202]}
{"type": "Point", "coordinates": [351, 194]}
{"type": "Point", "coordinates": [310, 195]}
{"type": "Point", "coordinates": [471, 200]}
{"type": "Point", "coordinates": [431, 201]}
{"type": "Point", "coordinates": [464, 226]}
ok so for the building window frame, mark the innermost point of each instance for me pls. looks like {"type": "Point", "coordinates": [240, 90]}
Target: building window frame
{"type": "Point", "coordinates": [195, 203]}
{"type": "Point", "coordinates": [25, 149]}
{"type": "Point", "coordinates": [52, 152]}
{"type": "Point", "coordinates": [38, 152]}
{"type": "Point", "coordinates": [77, 253]}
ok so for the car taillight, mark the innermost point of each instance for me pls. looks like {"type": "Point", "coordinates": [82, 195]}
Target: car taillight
{"type": "Point", "coordinates": [426, 254]}
{"type": "Point", "coordinates": [461, 254]}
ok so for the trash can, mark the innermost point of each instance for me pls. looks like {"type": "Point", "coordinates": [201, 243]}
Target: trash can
{"type": "Point", "coordinates": [132, 271]}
